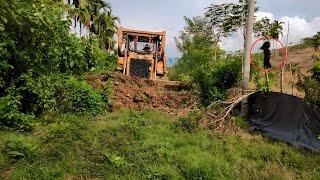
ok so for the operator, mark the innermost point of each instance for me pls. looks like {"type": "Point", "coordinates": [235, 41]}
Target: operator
{"type": "Point", "coordinates": [146, 48]}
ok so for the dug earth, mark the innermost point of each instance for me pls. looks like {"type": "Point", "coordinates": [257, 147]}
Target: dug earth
{"type": "Point", "coordinates": [136, 93]}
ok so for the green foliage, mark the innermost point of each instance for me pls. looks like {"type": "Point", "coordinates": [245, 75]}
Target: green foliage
{"type": "Point", "coordinates": [37, 52]}
{"type": "Point", "coordinates": [96, 16]}
{"type": "Point", "coordinates": [212, 72]}
{"type": "Point", "coordinates": [214, 82]}
{"type": "Point", "coordinates": [228, 17]}
{"type": "Point", "coordinates": [316, 69]}
{"type": "Point", "coordinates": [11, 114]}
{"type": "Point", "coordinates": [189, 123]}
{"type": "Point", "coordinates": [80, 97]}
{"type": "Point", "coordinates": [313, 41]}
{"type": "Point", "coordinates": [312, 91]}
{"type": "Point", "coordinates": [108, 147]}
{"type": "Point", "coordinates": [311, 84]}
{"type": "Point", "coordinates": [17, 150]}
{"type": "Point", "coordinates": [97, 59]}
{"type": "Point", "coordinates": [265, 27]}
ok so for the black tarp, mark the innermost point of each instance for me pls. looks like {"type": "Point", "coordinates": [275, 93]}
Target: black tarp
{"type": "Point", "coordinates": [285, 117]}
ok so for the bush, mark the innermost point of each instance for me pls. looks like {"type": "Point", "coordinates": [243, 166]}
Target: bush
{"type": "Point", "coordinates": [11, 114]}
{"type": "Point", "coordinates": [214, 82]}
{"type": "Point", "coordinates": [80, 97]}
{"type": "Point", "coordinates": [316, 69]}
{"type": "Point", "coordinates": [312, 91]}
{"type": "Point", "coordinates": [311, 85]}
{"type": "Point", "coordinates": [37, 53]}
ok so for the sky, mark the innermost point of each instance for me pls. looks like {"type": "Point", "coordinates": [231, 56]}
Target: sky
{"type": "Point", "coordinates": [167, 15]}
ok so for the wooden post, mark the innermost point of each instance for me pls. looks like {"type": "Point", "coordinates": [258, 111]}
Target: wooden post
{"type": "Point", "coordinates": [246, 53]}
{"type": "Point", "coordinates": [292, 81]}
{"type": "Point", "coordinates": [267, 79]}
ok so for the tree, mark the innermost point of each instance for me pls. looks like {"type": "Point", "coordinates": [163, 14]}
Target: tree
{"type": "Point", "coordinates": [105, 27]}
{"type": "Point", "coordinates": [276, 29]}
{"type": "Point", "coordinates": [96, 16]}
{"type": "Point", "coordinates": [80, 13]}
{"type": "Point", "coordinates": [228, 18]}
{"type": "Point", "coordinates": [97, 7]}
{"type": "Point", "coordinates": [262, 27]}
{"type": "Point", "coordinates": [266, 27]}
{"type": "Point", "coordinates": [314, 41]}
{"type": "Point", "coordinates": [195, 43]}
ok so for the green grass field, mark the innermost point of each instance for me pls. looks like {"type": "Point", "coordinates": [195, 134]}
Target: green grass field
{"type": "Point", "coordinates": [145, 145]}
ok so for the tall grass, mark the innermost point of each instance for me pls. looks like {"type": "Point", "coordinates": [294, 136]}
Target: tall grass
{"type": "Point", "coordinates": [145, 145]}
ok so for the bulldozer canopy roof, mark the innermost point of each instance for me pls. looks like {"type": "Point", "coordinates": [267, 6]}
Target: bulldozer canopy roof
{"type": "Point", "coordinates": [144, 36]}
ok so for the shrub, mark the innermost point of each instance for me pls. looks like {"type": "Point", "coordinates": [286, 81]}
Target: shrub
{"type": "Point", "coordinates": [97, 59]}
{"type": "Point", "coordinates": [11, 112]}
{"type": "Point", "coordinates": [311, 85]}
{"type": "Point", "coordinates": [80, 97]}
{"type": "Point", "coordinates": [214, 82]}
{"type": "Point", "coordinates": [316, 68]}
{"type": "Point", "coordinates": [312, 91]}
{"type": "Point", "coordinates": [37, 52]}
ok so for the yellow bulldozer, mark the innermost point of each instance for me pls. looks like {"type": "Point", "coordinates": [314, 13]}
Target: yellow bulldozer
{"type": "Point", "coordinates": [142, 53]}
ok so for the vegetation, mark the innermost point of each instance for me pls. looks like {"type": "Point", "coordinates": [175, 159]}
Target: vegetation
{"type": "Point", "coordinates": [266, 27]}
{"type": "Point", "coordinates": [310, 84]}
{"type": "Point", "coordinates": [145, 145]}
{"type": "Point", "coordinates": [203, 63]}
{"type": "Point", "coordinates": [231, 17]}
{"type": "Point", "coordinates": [228, 18]}
{"type": "Point", "coordinates": [313, 41]}
{"type": "Point", "coordinates": [54, 125]}
{"type": "Point", "coordinates": [40, 60]}
{"type": "Point", "coordinates": [96, 17]}
{"type": "Point", "coordinates": [212, 72]}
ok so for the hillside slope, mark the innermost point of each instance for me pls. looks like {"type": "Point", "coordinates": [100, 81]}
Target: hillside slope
{"type": "Point", "coordinates": [146, 145]}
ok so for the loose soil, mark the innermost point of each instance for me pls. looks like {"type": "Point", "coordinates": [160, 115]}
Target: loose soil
{"type": "Point", "coordinates": [136, 93]}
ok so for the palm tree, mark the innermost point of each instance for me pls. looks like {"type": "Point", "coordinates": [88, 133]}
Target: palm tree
{"type": "Point", "coordinates": [97, 7]}
{"type": "Point", "coordinates": [276, 29]}
{"type": "Point", "coordinates": [105, 27]}
{"type": "Point", "coordinates": [97, 16]}
{"type": "Point", "coordinates": [81, 14]}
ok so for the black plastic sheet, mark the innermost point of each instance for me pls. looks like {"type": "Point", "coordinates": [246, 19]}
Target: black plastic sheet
{"type": "Point", "coordinates": [285, 117]}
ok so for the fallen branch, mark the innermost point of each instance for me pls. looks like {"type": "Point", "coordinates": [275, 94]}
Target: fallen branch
{"type": "Point", "coordinates": [227, 111]}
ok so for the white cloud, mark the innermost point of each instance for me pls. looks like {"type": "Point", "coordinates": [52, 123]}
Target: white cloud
{"type": "Point", "coordinates": [260, 14]}
{"type": "Point", "coordinates": [168, 15]}
{"type": "Point", "coordinates": [299, 28]}
{"type": "Point", "coordinates": [233, 43]}
{"type": "Point", "coordinates": [224, 1]}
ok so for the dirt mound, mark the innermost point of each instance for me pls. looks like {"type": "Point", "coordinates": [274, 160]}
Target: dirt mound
{"type": "Point", "coordinates": [169, 96]}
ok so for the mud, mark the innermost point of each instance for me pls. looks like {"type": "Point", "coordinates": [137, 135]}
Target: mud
{"type": "Point", "coordinates": [136, 93]}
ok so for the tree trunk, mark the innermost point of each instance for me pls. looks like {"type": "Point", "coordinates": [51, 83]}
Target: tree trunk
{"type": "Point", "coordinates": [80, 28]}
{"type": "Point", "coordinates": [246, 53]}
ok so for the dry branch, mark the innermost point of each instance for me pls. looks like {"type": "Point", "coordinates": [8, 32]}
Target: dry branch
{"type": "Point", "coordinates": [220, 119]}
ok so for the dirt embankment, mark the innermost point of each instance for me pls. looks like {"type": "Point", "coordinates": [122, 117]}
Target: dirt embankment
{"type": "Point", "coordinates": [135, 93]}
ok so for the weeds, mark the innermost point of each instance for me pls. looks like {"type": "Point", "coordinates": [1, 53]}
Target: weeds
{"type": "Point", "coordinates": [145, 145]}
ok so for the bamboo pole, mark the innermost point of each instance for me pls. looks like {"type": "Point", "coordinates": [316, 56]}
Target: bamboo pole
{"type": "Point", "coordinates": [290, 63]}
{"type": "Point", "coordinates": [267, 79]}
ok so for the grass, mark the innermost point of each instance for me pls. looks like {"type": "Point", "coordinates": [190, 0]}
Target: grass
{"type": "Point", "coordinates": [145, 145]}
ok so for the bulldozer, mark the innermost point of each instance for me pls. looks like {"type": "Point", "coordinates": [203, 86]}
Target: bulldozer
{"type": "Point", "coordinates": [142, 54]}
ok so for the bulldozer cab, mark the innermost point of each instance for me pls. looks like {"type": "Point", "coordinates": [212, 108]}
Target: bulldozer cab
{"type": "Point", "coordinates": [142, 53]}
